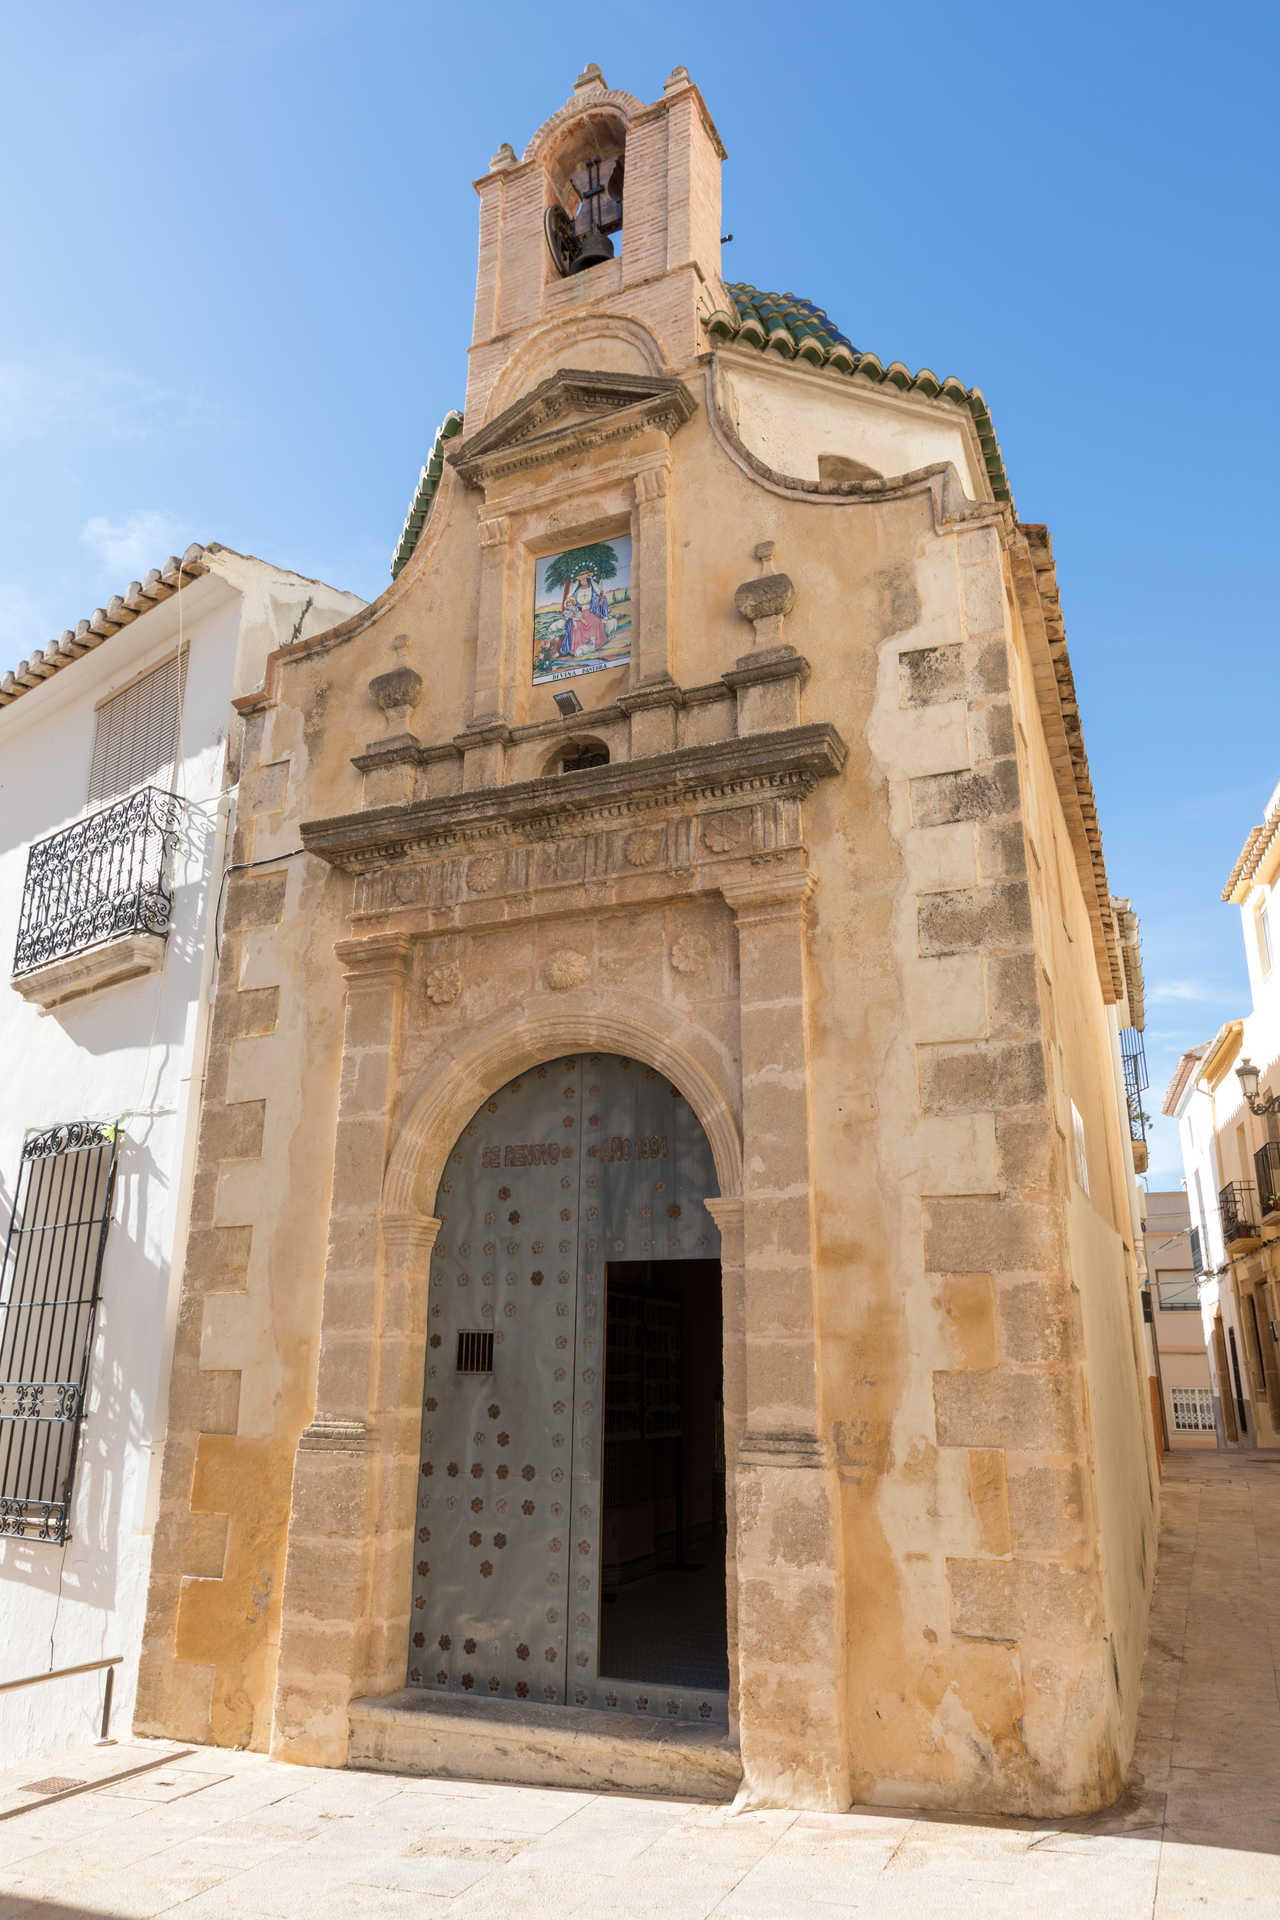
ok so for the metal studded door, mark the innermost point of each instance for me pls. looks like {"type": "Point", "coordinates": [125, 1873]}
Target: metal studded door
{"type": "Point", "coordinates": [586, 1159]}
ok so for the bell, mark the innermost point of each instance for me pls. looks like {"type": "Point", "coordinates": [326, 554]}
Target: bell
{"type": "Point", "coordinates": [592, 249]}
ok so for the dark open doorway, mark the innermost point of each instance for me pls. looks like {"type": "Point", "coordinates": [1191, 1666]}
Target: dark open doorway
{"type": "Point", "coordinates": [662, 1614]}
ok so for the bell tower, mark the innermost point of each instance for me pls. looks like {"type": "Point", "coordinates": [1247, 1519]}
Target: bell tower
{"type": "Point", "coordinates": [612, 210]}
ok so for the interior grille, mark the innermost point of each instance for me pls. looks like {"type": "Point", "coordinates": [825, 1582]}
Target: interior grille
{"type": "Point", "coordinates": [475, 1350]}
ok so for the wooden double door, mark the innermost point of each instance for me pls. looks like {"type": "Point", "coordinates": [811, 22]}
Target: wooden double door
{"type": "Point", "coordinates": [587, 1165]}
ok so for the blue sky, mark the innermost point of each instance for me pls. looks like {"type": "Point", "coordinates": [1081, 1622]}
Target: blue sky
{"type": "Point", "coordinates": [238, 245]}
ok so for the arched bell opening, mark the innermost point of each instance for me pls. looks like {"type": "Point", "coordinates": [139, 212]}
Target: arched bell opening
{"type": "Point", "coordinates": [571, 1529]}
{"type": "Point", "coordinates": [584, 185]}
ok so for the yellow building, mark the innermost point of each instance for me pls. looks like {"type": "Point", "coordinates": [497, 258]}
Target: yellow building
{"type": "Point", "coordinates": [1225, 1096]}
{"type": "Point", "coordinates": [661, 1302]}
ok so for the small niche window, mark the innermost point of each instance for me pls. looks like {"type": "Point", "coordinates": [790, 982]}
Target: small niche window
{"type": "Point", "coordinates": [135, 734]}
{"type": "Point", "coordinates": [581, 754]}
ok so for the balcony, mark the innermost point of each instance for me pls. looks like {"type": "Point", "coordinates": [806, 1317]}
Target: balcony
{"type": "Point", "coordinates": [1134, 1060]}
{"type": "Point", "coordinates": [1266, 1166]}
{"type": "Point", "coordinates": [1239, 1210]}
{"type": "Point", "coordinates": [97, 900]}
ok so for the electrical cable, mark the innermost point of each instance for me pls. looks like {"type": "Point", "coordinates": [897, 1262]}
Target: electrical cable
{"type": "Point", "coordinates": [243, 866]}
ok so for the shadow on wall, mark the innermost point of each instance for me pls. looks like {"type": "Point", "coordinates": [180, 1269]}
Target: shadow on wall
{"type": "Point", "coordinates": [123, 1017]}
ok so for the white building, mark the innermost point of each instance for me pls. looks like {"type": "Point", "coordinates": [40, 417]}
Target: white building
{"type": "Point", "coordinates": [115, 794]}
{"type": "Point", "coordinates": [1224, 1095]}
{"type": "Point", "coordinates": [1187, 1414]}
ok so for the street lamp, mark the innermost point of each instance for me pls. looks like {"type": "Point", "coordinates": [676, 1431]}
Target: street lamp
{"type": "Point", "coordinates": [1247, 1075]}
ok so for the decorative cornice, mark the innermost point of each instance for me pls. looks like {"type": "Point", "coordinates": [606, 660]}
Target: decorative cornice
{"type": "Point", "coordinates": [1036, 586]}
{"type": "Point", "coordinates": [795, 758]}
{"type": "Point", "coordinates": [644, 699]}
{"type": "Point", "coordinates": [537, 426]}
{"type": "Point", "coordinates": [374, 959]}
{"type": "Point", "coordinates": [773, 663]}
{"type": "Point", "coordinates": [778, 895]}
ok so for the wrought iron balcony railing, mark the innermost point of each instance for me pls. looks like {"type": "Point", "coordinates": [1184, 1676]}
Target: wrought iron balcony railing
{"type": "Point", "coordinates": [1134, 1058]}
{"type": "Point", "coordinates": [104, 877]}
{"type": "Point", "coordinates": [1238, 1209]}
{"type": "Point", "coordinates": [1266, 1166]}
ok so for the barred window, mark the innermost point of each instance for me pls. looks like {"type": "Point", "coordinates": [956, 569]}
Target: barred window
{"type": "Point", "coordinates": [1192, 1409]}
{"type": "Point", "coordinates": [48, 1298]}
{"type": "Point", "coordinates": [136, 732]}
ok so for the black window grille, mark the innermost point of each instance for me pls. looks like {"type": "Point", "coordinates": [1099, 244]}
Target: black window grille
{"type": "Point", "coordinates": [1236, 1206]}
{"type": "Point", "coordinates": [104, 877]}
{"type": "Point", "coordinates": [1133, 1055]}
{"type": "Point", "coordinates": [48, 1299]}
{"type": "Point", "coordinates": [1266, 1165]}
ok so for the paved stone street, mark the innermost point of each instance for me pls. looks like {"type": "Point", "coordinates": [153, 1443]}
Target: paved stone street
{"type": "Point", "coordinates": [209, 1833]}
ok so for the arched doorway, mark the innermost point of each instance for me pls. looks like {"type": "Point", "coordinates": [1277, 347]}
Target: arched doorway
{"type": "Point", "coordinates": [570, 1531]}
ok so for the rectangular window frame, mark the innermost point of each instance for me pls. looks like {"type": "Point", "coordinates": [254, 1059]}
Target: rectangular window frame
{"type": "Point", "coordinates": [120, 766]}
{"type": "Point", "coordinates": [1192, 1409]}
{"type": "Point", "coordinates": [1182, 1286]}
{"type": "Point", "coordinates": [50, 1283]}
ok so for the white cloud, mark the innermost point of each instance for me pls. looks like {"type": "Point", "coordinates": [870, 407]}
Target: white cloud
{"type": "Point", "coordinates": [128, 548]}
{"type": "Point", "coordinates": [82, 399]}
{"type": "Point", "coordinates": [1181, 990]}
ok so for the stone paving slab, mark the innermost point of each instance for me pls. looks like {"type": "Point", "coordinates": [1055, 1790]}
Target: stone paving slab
{"type": "Point", "coordinates": [205, 1834]}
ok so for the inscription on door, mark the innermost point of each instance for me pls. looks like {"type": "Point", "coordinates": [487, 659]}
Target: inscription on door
{"type": "Point", "coordinates": [586, 1159]}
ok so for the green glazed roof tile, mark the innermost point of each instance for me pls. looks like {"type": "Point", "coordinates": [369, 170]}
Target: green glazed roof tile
{"type": "Point", "coordinates": [785, 323]}
{"type": "Point", "coordinates": [424, 493]}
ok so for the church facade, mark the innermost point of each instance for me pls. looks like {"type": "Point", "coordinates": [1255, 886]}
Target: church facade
{"type": "Point", "coordinates": [660, 1298]}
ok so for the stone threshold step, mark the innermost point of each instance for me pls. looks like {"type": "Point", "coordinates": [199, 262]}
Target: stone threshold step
{"type": "Point", "coordinates": [414, 1731]}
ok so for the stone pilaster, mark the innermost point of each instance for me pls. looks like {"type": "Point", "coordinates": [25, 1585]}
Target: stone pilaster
{"type": "Point", "coordinates": [651, 582]}
{"type": "Point", "coordinates": [792, 1636]}
{"type": "Point", "coordinates": [494, 690]}
{"type": "Point", "coordinates": [334, 1538]}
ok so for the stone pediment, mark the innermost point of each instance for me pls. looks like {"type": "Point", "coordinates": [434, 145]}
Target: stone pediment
{"type": "Point", "coordinates": [569, 412]}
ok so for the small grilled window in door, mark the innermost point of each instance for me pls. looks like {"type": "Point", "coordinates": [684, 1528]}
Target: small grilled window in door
{"type": "Point", "coordinates": [135, 735]}
{"type": "Point", "coordinates": [475, 1350]}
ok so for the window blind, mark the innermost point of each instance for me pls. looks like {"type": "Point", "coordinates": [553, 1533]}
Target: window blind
{"type": "Point", "coordinates": [136, 733]}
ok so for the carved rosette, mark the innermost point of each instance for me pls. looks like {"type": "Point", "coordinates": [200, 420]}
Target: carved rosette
{"type": "Point", "coordinates": [725, 832]}
{"type": "Point", "coordinates": [691, 953]}
{"type": "Point", "coordinates": [444, 983]}
{"type": "Point", "coordinates": [484, 872]}
{"type": "Point", "coordinates": [643, 847]}
{"type": "Point", "coordinates": [565, 970]}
